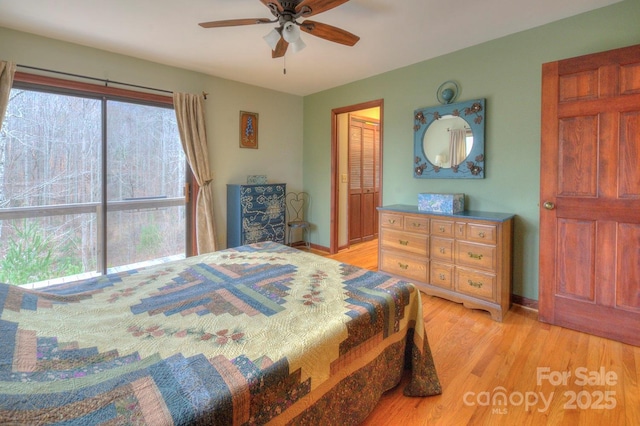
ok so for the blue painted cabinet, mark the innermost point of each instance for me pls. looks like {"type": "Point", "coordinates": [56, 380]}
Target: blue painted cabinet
{"type": "Point", "coordinates": [255, 213]}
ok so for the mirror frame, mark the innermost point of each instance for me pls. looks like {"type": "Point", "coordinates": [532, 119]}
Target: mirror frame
{"type": "Point", "coordinates": [473, 112]}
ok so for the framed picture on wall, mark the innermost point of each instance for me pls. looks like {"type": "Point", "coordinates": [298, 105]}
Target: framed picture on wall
{"type": "Point", "coordinates": [248, 130]}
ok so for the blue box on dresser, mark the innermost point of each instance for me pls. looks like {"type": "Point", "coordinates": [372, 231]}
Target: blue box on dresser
{"type": "Point", "coordinates": [441, 203]}
{"type": "Point", "coordinates": [255, 213]}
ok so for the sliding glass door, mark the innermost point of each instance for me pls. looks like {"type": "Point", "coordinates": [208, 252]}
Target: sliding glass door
{"type": "Point", "coordinates": [145, 175]}
{"type": "Point", "coordinates": [88, 185]}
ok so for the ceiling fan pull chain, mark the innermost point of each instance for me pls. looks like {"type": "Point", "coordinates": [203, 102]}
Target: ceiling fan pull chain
{"type": "Point", "coordinates": [284, 66]}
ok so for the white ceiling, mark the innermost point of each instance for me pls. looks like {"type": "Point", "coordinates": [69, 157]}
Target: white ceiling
{"type": "Point", "coordinates": [393, 34]}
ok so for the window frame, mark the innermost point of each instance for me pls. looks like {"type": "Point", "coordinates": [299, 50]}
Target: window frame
{"type": "Point", "coordinates": [105, 93]}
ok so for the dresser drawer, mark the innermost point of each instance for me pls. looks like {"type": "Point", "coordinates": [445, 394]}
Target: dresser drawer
{"type": "Point", "coordinates": [481, 233]}
{"type": "Point", "coordinates": [476, 255]}
{"type": "Point", "coordinates": [405, 241]}
{"type": "Point", "coordinates": [405, 266]}
{"type": "Point", "coordinates": [441, 249]}
{"type": "Point", "coordinates": [391, 220]}
{"type": "Point", "coordinates": [441, 275]}
{"type": "Point", "coordinates": [443, 228]}
{"type": "Point", "coordinates": [416, 224]}
{"type": "Point", "coordinates": [476, 283]}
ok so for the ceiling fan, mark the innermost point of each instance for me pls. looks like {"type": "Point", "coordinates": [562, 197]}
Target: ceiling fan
{"type": "Point", "coordinates": [288, 30]}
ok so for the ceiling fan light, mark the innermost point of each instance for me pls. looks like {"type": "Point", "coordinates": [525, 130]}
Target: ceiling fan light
{"type": "Point", "coordinates": [291, 32]}
{"type": "Point", "coordinates": [297, 45]}
{"type": "Point", "coordinates": [272, 38]}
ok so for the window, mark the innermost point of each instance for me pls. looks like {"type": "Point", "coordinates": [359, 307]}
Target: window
{"type": "Point", "coordinates": [90, 183]}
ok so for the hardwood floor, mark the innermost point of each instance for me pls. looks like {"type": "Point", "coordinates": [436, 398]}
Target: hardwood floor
{"type": "Point", "coordinates": [364, 255]}
{"type": "Point", "coordinates": [542, 374]}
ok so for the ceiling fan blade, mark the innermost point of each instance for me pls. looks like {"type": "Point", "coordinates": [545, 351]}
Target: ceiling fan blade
{"type": "Point", "coordinates": [318, 6]}
{"type": "Point", "coordinates": [276, 2]}
{"type": "Point", "coordinates": [281, 49]}
{"type": "Point", "coordinates": [328, 32]}
{"type": "Point", "coordinates": [234, 22]}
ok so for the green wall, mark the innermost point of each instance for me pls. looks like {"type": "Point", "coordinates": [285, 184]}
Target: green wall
{"type": "Point", "coordinates": [507, 72]}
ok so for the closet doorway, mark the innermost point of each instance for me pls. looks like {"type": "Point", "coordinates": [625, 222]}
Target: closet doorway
{"type": "Point", "coordinates": [356, 181]}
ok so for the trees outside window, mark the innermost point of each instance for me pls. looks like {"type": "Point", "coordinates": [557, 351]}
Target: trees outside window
{"type": "Point", "coordinates": [88, 183]}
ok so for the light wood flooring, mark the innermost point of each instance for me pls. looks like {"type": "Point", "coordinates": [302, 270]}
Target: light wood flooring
{"type": "Point", "coordinates": [548, 375]}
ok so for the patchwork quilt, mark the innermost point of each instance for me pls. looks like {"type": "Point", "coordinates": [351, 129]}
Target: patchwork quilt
{"type": "Point", "coordinates": [258, 334]}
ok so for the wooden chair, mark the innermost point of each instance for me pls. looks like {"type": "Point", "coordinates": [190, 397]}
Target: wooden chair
{"type": "Point", "coordinates": [297, 211]}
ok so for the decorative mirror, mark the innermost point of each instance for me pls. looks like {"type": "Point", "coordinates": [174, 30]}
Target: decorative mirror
{"type": "Point", "coordinates": [448, 140]}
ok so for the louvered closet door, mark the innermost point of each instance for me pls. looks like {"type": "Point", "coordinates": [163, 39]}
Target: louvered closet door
{"type": "Point", "coordinates": [364, 179]}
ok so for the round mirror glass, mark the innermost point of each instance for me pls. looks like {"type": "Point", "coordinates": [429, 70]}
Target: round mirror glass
{"type": "Point", "coordinates": [447, 141]}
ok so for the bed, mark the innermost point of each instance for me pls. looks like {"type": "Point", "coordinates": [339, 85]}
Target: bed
{"type": "Point", "coordinates": [258, 334]}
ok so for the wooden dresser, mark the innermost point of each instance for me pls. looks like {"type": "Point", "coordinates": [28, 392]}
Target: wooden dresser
{"type": "Point", "coordinates": [464, 257]}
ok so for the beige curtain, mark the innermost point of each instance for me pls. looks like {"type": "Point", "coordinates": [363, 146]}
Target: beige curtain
{"type": "Point", "coordinates": [457, 146]}
{"type": "Point", "coordinates": [7, 70]}
{"type": "Point", "coordinates": [190, 114]}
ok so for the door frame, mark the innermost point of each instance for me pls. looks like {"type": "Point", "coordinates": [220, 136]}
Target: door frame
{"type": "Point", "coordinates": [335, 169]}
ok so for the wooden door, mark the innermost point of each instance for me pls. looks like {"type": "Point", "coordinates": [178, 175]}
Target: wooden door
{"type": "Point", "coordinates": [590, 194]}
{"type": "Point", "coordinates": [364, 179]}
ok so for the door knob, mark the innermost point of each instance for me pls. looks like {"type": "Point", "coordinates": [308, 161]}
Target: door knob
{"type": "Point", "coordinates": [549, 205]}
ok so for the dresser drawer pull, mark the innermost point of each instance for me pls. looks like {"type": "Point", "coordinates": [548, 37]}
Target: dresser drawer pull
{"type": "Point", "coordinates": [477, 284]}
{"type": "Point", "coordinates": [442, 250]}
{"type": "Point", "coordinates": [441, 228]}
{"type": "Point", "coordinates": [442, 277]}
{"type": "Point", "coordinates": [481, 234]}
{"type": "Point", "coordinates": [475, 256]}
{"type": "Point", "coordinates": [392, 221]}
{"type": "Point", "coordinates": [404, 242]}
{"type": "Point", "coordinates": [404, 266]}
{"type": "Point", "coordinates": [416, 224]}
